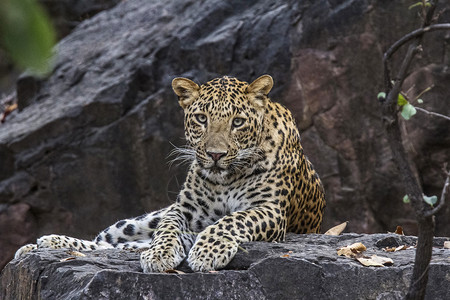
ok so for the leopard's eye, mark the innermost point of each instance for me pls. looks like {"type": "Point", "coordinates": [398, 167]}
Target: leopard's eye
{"type": "Point", "coordinates": [201, 118]}
{"type": "Point", "coordinates": [238, 122]}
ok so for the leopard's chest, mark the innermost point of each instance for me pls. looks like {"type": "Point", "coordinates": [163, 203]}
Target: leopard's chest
{"type": "Point", "coordinates": [215, 201]}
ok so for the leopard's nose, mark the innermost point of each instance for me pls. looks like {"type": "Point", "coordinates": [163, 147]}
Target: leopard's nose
{"type": "Point", "coordinates": [216, 155]}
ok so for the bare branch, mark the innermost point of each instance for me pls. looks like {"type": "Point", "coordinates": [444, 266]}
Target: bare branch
{"type": "Point", "coordinates": [424, 218]}
{"type": "Point", "coordinates": [429, 213]}
{"type": "Point", "coordinates": [411, 35]}
{"type": "Point", "coordinates": [432, 113]}
{"type": "Point", "coordinates": [391, 98]}
{"type": "Point", "coordinates": [423, 92]}
{"type": "Point", "coordinates": [414, 34]}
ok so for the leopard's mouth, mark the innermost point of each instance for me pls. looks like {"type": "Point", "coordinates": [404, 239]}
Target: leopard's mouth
{"type": "Point", "coordinates": [215, 169]}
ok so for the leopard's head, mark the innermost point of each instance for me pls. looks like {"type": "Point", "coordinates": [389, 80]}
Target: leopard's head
{"type": "Point", "coordinates": [223, 122]}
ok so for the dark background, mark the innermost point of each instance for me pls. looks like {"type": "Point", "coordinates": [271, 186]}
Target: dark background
{"type": "Point", "coordinates": [90, 143]}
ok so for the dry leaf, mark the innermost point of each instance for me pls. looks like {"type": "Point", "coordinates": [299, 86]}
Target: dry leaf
{"type": "Point", "coordinates": [374, 261]}
{"type": "Point", "coordinates": [287, 255]}
{"type": "Point", "coordinates": [9, 109]}
{"type": "Point", "coordinates": [75, 253]}
{"type": "Point", "coordinates": [352, 250]}
{"type": "Point", "coordinates": [66, 259]}
{"type": "Point", "coordinates": [404, 247]}
{"type": "Point", "coordinates": [336, 230]}
{"type": "Point", "coordinates": [356, 250]}
{"type": "Point", "coordinates": [399, 248]}
{"type": "Point", "coordinates": [173, 271]}
{"type": "Point", "coordinates": [447, 244]}
{"type": "Point", "coordinates": [399, 230]}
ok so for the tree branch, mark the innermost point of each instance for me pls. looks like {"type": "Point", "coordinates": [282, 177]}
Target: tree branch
{"type": "Point", "coordinates": [429, 213]}
{"type": "Point", "coordinates": [406, 38]}
{"type": "Point", "coordinates": [413, 188]}
{"type": "Point", "coordinates": [412, 35]}
{"type": "Point", "coordinates": [432, 113]}
{"type": "Point", "coordinates": [391, 98]}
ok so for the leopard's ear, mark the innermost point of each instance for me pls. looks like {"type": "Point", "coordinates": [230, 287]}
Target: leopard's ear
{"type": "Point", "coordinates": [186, 90]}
{"type": "Point", "coordinates": [259, 89]}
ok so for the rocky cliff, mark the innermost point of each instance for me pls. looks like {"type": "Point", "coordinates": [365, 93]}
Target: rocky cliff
{"type": "Point", "coordinates": [303, 267]}
{"type": "Point", "coordinates": [90, 143]}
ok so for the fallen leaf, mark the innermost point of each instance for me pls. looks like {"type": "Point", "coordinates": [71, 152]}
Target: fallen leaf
{"type": "Point", "coordinates": [75, 253]}
{"type": "Point", "coordinates": [399, 230]}
{"type": "Point", "coordinates": [399, 248]}
{"type": "Point", "coordinates": [173, 271]}
{"type": "Point", "coordinates": [404, 247]}
{"type": "Point", "coordinates": [66, 259]}
{"type": "Point", "coordinates": [374, 261]}
{"type": "Point", "coordinates": [447, 244]}
{"type": "Point", "coordinates": [352, 250]}
{"type": "Point", "coordinates": [9, 109]}
{"type": "Point", "coordinates": [285, 255]}
{"type": "Point", "coordinates": [336, 230]}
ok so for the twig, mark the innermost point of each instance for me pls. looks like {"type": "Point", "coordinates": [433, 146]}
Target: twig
{"type": "Point", "coordinates": [432, 113]}
{"type": "Point", "coordinates": [413, 34]}
{"type": "Point", "coordinates": [429, 213]}
{"type": "Point", "coordinates": [423, 92]}
{"type": "Point", "coordinates": [405, 39]}
{"type": "Point", "coordinates": [401, 76]}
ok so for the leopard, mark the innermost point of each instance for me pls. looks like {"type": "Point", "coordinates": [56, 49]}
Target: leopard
{"type": "Point", "coordinates": [248, 180]}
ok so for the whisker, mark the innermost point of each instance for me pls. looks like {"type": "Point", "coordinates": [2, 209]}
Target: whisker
{"type": "Point", "coordinates": [182, 155]}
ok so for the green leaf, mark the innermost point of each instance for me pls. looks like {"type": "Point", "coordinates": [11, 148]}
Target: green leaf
{"type": "Point", "coordinates": [27, 35]}
{"type": "Point", "coordinates": [401, 100]}
{"type": "Point", "coordinates": [381, 96]}
{"type": "Point", "coordinates": [408, 111]}
{"type": "Point", "coordinates": [415, 5]}
{"type": "Point", "coordinates": [420, 101]}
{"type": "Point", "coordinates": [427, 4]}
{"type": "Point", "coordinates": [430, 200]}
{"type": "Point", "coordinates": [406, 199]}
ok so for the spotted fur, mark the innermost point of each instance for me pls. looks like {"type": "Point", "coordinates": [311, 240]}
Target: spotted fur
{"type": "Point", "coordinates": [248, 181]}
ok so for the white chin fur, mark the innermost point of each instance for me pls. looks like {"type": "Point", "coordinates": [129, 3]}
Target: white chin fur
{"type": "Point", "coordinates": [215, 176]}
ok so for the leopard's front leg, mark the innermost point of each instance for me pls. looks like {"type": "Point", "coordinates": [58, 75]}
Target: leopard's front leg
{"type": "Point", "coordinates": [170, 244]}
{"type": "Point", "coordinates": [216, 246]}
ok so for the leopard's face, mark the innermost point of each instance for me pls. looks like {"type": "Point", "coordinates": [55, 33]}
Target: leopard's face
{"type": "Point", "coordinates": [223, 123]}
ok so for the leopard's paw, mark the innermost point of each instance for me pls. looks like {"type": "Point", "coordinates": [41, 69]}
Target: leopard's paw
{"type": "Point", "coordinates": [65, 242]}
{"type": "Point", "coordinates": [211, 253]}
{"type": "Point", "coordinates": [160, 258]}
{"type": "Point", "coordinates": [24, 250]}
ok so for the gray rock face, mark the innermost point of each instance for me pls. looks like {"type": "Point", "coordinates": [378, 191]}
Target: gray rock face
{"type": "Point", "coordinates": [66, 14]}
{"type": "Point", "coordinates": [90, 144]}
{"type": "Point", "coordinates": [303, 267]}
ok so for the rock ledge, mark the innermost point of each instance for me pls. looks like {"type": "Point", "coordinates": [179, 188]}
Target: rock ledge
{"type": "Point", "coordinates": [302, 267]}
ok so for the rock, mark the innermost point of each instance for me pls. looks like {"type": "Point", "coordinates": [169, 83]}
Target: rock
{"type": "Point", "coordinates": [18, 227]}
{"type": "Point", "coordinates": [302, 267]}
{"type": "Point", "coordinates": [90, 143]}
{"type": "Point", "coordinates": [67, 14]}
